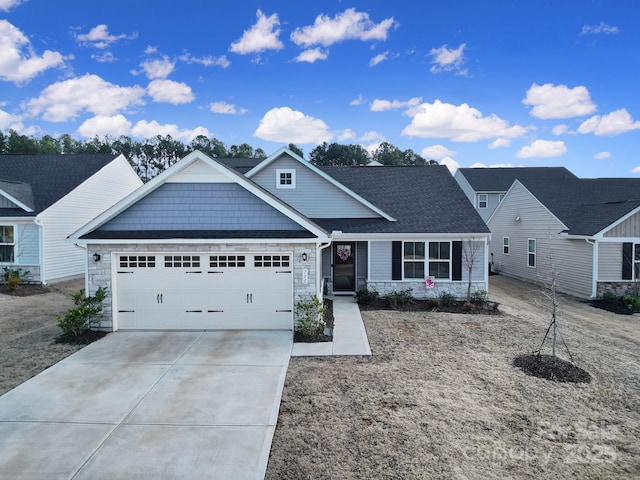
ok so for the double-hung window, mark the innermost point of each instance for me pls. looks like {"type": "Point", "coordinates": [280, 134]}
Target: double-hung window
{"type": "Point", "coordinates": [505, 245]}
{"type": "Point", "coordinates": [531, 252]}
{"type": "Point", "coordinates": [413, 259]}
{"type": "Point", "coordinates": [440, 259]}
{"type": "Point", "coordinates": [7, 243]}
{"type": "Point", "coordinates": [483, 200]}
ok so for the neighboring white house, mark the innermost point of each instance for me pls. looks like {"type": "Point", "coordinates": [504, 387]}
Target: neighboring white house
{"type": "Point", "coordinates": [45, 198]}
{"type": "Point", "coordinates": [220, 244]}
{"type": "Point", "coordinates": [586, 230]}
{"type": "Point", "coordinates": [486, 187]}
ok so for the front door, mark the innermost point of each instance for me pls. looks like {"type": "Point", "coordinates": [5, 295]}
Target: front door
{"type": "Point", "coordinates": [344, 267]}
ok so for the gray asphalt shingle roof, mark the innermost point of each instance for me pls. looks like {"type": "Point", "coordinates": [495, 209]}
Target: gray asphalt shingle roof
{"type": "Point", "coordinates": [423, 199]}
{"type": "Point", "coordinates": [41, 180]}
{"type": "Point", "coordinates": [501, 179]}
{"type": "Point", "coordinates": [587, 205]}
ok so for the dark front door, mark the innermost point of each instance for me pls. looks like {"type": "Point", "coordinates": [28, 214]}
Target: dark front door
{"type": "Point", "coordinates": [344, 267]}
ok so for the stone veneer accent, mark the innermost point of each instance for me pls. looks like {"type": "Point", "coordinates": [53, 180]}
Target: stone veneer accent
{"type": "Point", "coordinates": [99, 273]}
{"type": "Point", "coordinates": [458, 289]}
{"type": "Point", "coordinates": [619, 288]}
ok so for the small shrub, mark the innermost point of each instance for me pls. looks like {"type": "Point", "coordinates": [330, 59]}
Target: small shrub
{"type": "Point", "coordinates": [609, 297]}
{"type": "Point", "coordinates": [632, 300]}
{"type": "Point", "coordinates": [310, 316]}
{"type": "Point", "coordinates": [13, 276]}
{"type": "Point", "coordinates": [447, 299]}
{"type": "Point", "coordinates": [399, 298]}
{"type": "Point", "coordinates": [364, 296]}
{"type": "Point", "coordinates": [481, 296]}
{"type": "Point", "coordinates": [433, 303]}
{"type": "Point", "coordinates": [83, 316]}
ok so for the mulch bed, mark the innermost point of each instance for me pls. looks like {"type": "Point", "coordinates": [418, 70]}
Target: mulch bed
{"type": "Point", "coordinates": [85, 338]}
{"type": "Point", "coordinates": [619, 307]}
{"type": "Point", "coordinates": [319, 335]}
{"type": "Point", "coordinates": [484, 308]}
{"type": "Point", "coordinates": [557, 370]}
{"type": "Point", "coordinates": [24, 290]}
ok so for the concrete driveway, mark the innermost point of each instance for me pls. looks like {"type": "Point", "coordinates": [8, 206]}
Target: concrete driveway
{"type": "Point", "coordinates": [149, 405]}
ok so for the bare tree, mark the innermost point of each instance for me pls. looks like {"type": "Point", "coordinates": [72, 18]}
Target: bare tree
{"type": "Point", "coordinates": [470, 255]}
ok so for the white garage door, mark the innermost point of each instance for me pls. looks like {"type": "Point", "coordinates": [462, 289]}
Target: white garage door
{"type": "Point", "coordinates": [204, 291]}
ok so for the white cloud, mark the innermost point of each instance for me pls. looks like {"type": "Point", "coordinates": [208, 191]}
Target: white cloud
{"type": "Point", "coordinates": [347, 134]}
{"type": "Point", "coordinates": [18, 61]}
{"type": "Point", "coordinates": [226, 108]}
{"type": "Point", "coordinates": [602, 155]}
{"type": "Point", "coordinates": [357, 101]}
{"type": "Point", "coordinates": [292, 126]}
{"type": "Point", "coordinates": [6, 5]}
{"type": "Point", "coordinates": [208, 61]}
{"type": "Point", "coordinates": [436, 152]}
{"type": "Point", "coordinates": [597, 29]}
{"type": "Point", "coordinates": [106, 57]}
{"type": "Point", "coordinates": [543, 149]}
{"type": "Point", "coordinates": [378, 59]}
{"type": "Point", "coordinates": [371, 136]}
{"type": "Point", "coordinates": [168, 91]}
{"type": "Point", "coordinates": [559, 101]}
{"type": "Point", "coordinates": [145, 129]}
{"type": "Point", "coordinates": [614, 123]}
{"type": "Point", "coordinates": [101, 125]}
{"type": "Point", "coordinates": [311, 55]}
{"type": "Point", "coordinates": [150, 50]}
{"type": "Point", "coordinates": [159, 68]}
{"type": "Point", "coordinates": [9, 121]}
{"type": "Point", "coordinates": [446, 59]}
{"type": "Point", "coordinates": [260, 37]}
{"type": "Point", "coordinates": [348, 25]}
{"type": "Point", "coordinates": [636, 170]}
{"type": "Point", "coordinates": [382, 105]}
{"type": "Point", "coordinates": [99, 37]}
{"type": "Point", "coordinates": [65, 100]}
{"type": "Point", "coordinates": [495, 165]}
{"type": "Point", "coordinates": [450, 163]}
{"type": "Point", "coordinates": [560, 129]}
{"type": "Point", "coordinates": [499, 143]}
{"type": "Point", "coordinates": [460, 123]}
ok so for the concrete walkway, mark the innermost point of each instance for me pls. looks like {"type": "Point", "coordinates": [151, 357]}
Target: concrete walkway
{"type": "Point", "coordinates": [192, 405]}
{"type": "Point", "coordinates": [349, 334]}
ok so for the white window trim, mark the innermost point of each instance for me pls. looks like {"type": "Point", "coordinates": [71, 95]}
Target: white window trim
{"type": "Point", "coordinates": [501, 197]}
{"type": "Point", "coordinates": [534, 253]}
{"type": "Point", "coordinates": [635, 264]}
{"type": "Point", "coordinates": [449, 260]}
{"type": "Point", "coordinates": [508, 245]}
{"type": "Point", "coordinates": [486, 200]}
{"type": "Point", "coordinates": [280, 171]}
{"type": "Point", "coordinates": [15, 234]}
{"type": "Point", "coordinates": [424, 261]}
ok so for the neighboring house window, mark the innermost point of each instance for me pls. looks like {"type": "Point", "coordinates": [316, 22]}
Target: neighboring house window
{"type": "Point", "coordinates": [501, 197]}
{"type": "Point", "coordinates": [483, 199]}
{"type": "Point", "coordinates": [285, 178]}
{"type": "Point", "coordinates": [7, 243]}
{"type": "Point", "coordinates": [505, 245]}
{"type": "Point", "coordinates": [531, 252]}
{"type": "Point", "coordinates": [413, 259]}
{"type": "Point", "coordinates": [439, 259]}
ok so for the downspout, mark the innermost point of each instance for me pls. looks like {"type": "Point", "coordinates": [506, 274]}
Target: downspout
{"type": "Point", "coordinates": [319, 279]}
{"type": "Point", "coordinates": [594, 268]}
{"type": "Point", "coordinates": [38, 222]}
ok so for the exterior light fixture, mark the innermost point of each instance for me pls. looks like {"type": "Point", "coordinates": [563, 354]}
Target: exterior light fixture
{"type": "Point", "coordinates": [304, 257]}
{"type": "Point", "coordinates": [96, 257]}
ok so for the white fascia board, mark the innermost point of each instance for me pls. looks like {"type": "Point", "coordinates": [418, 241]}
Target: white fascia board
{"type": "Point", "coordinates": [408, 236]}
{"type": "Point", "coordinates": [17, 202]}
{"type": "Point", "coordinates": [161, 179]}
{"type": "Point", "coordinates": [20, 220]}
{"type": "Point", "coordinates": [199, 241]}
{"type": "Point", "coordinates": [319, 172]}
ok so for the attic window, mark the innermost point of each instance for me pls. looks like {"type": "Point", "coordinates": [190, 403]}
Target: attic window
{"type": "Point", "coordinates": [286, 178]}
{"type": "Point", "coordinates": [483, 199]}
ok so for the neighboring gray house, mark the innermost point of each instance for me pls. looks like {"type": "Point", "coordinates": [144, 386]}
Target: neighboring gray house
{"type": "Point", "coordinates": [229, 244]}
{"type": "Point", "coordinates": [486, 187]}
{"type": "Point", "coordinates": [587, 229]}
{"type": "Point", "coordinates": [45, 198]}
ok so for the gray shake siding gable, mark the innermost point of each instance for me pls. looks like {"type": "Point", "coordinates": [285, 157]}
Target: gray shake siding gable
{"type": "Point", "coordinates": [201, 206]}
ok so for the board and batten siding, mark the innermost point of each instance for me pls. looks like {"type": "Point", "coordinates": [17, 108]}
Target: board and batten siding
{"type": "Point", "coordinates": [6, 203]}
{"type": "Point", "coordinates": [629, 228]}
{"type": "Point", "coordinates": [89, 199]}
{"type": "Point", "coordinates": [313, 196]}
{"type": "Point", "coordinates": [522, 217]}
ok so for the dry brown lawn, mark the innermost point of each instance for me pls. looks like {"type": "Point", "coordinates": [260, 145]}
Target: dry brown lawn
{"type": "Point", "coordinates": [440, 398]}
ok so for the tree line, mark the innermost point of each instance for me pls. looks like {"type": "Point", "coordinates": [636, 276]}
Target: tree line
{"type": "Point", "coordinates": [153, 155]}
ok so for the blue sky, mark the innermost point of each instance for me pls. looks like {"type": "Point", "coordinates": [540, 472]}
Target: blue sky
{"type": "Point", "coordinates": [497, 82]}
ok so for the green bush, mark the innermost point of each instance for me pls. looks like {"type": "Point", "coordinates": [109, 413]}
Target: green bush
{"type": "Point", "coordinates": [447, 299]}
{"type": "Point", "coordinates": [434, 303]}
{"type": "Point", "coordinates": [481, 296]}
{"type": "Point", "coordinates": [399, 298]}
{"type": "Point", "coordinates": [633, 300]}
{"type": "Point", "coordinates": [13, 276]}
{"type": "Point", "coordinates": [83, 316]}
{"type": "Point", "coordinates": [609, 297]}
{"type": "Point", "coordinates": [309, 314]}
{"type": "Point", "coordinates": [364, 296]}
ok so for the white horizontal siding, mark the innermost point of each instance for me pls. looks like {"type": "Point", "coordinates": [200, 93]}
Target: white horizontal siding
{"type": "Point", "coordinates": [380, 261]}
{"type": "Point", "coordinates": [610, 261]}
{"type": "Point", "coordinates": [27, 249]}
{"type": "Point", "coordinates": [74, 210]}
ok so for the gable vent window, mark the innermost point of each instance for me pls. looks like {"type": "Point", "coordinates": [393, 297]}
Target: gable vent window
{"type": "Point", "coordinates": [285, 178]}
{"type": "Point", "coordinates": [272, 261]}
{"type": "Point", "coordinates": [181, 261]}
{"type": "Point", "coordinates": [137, 261]}
{"type": "Point", "coordinates": [221, 261]}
